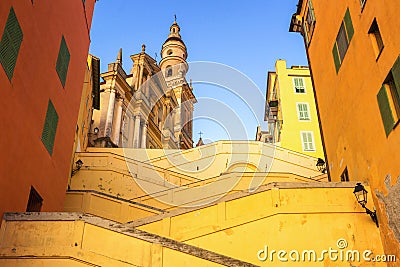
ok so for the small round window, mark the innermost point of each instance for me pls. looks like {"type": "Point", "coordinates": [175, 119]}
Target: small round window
{"type": "Point", "coordinates": [169, 52]}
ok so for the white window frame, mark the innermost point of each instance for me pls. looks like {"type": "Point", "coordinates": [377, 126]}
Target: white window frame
{"type": "Point", "coordinates": [304, 85]}
{"type": "Point", "coordinates": [362, 3]}
{"type": "Point", "coordinates": [307, 111]}
{"type": "Point", "coordinates": [305, 147]}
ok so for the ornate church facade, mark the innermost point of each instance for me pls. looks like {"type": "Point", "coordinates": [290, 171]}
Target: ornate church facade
{"type": "Point", "coordinates": [152, 106]}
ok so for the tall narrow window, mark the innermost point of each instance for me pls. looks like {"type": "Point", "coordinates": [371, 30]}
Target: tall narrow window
{"type": "Point", "coordinates": [307, 139]}
{"type": "Point", "coordinates": [302, 111]}
{"type": "Point", "coordinates": [50, 127]}
{"type": "Point", "coordinates": [376, 38]}
{"type": "Point", "coordinates": [63, 61]}
{"type": "Point", "coordinates": [96, 82]}
{"type": "Point", "coordinates": [10, 44]}
{"type": "Point", "coordinates": [345, 176]}
{"type": "Point", "coordinates": [309, 22]}
{"type": "Point", "coordinates": [389, 98]}
{"type": "Point", "coordinates": [35, 201]}
{"type": "Point", "coordinates": [299, 86]}
{"type": "Point", "coordinates": [343, 38]}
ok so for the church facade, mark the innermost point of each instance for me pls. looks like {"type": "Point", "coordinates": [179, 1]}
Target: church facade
{"type": "Point", "coordinates": [152, 106]}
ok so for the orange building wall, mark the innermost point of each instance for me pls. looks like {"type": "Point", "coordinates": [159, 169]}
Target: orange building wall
{"type": "Point", "coordinates": [351, 122]}
{"type": "Point", "coordinates": [24, 160]}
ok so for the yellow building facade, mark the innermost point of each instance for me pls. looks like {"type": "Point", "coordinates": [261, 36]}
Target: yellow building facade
{"type": "Point", "coordinates": [90, 100]}
{"type": "Point", "coordinates": [353, 49]}
{"type": "Point", "coordinates": [290, 110]}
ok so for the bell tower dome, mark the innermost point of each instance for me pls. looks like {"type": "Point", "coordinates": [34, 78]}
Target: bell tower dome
{"type": "Point", "coordinates": [173, 52]}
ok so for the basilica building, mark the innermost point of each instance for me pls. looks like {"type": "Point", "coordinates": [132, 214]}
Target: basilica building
{"type": "Point", "coordinates": [152, 106]}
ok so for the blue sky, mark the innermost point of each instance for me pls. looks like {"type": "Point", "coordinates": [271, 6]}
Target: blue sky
{"type": "Point", "coordinates": [248, 36]}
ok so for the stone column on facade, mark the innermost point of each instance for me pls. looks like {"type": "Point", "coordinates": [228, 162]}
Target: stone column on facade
{"type": "Point", "coordinates": [136, 134]}
{"type": "Point", "coordinates": [144, 134]}
{"type": "Point", "coordinates": [110, 114]}
{"type": "Point", "coordinates": [117, 121]}
{"type": "Point", "coordinates": [131, 129]}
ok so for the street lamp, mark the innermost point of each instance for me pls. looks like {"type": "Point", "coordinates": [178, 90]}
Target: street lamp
{"type": "Point", "coordinates": [321, 165]}
{"type": "Point", "coordinates": [361, 195]}
{"type": "Point", "coordinates": [78, 164]}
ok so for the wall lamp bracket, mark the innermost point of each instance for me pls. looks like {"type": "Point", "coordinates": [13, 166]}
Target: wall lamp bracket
{"type": "Point", "coordinates": [361, 195]}
{"type": "Point", "coordinates": [78, 166]}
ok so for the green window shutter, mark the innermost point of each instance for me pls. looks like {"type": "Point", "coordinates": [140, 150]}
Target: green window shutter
{"type": "Point", "coordinates": [63, 61]}
{"type": "Point", "coordinates": [386, 112]}
{"type": "Point", "coordinates": [300, 108]}
{"type": "Point", "coordinates": [305, 111]}
{"type": "Point", "coordinates": [50, 128]}
{"type": "Point", "coordinates": [305, 143]}
{"type": "Point", "coordinates": [311, 10]}
{"type": "Point", "coordinates": [300, 82]}
{"type": "Point", "coordinates": [296, 82]}
{"type": "Point", "coordinates": [310, 141]}
{"type": "Point", "coordinates": [303, 139]}
{"type": "Point", "coordinates": [10, 44]}
{"type": "Point", "coordinates": [336, 58]}
{"type": "Point", "coordinates": [396, 75]}
{"type": "Point", "coordinates": [349, 25]}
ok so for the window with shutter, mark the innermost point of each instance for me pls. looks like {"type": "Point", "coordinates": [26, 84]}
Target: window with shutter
{"type": "Point", "coordinates": [307, 139]}
{"type": "Point", "coordinates": [343, 38]}
{"type": "Point", "coordinates": [63, 61]}
{"type": "Point", "coordinates": [298, 83]}
{"type": "Point", "coordinates": [389, 98]}
{"type": "Point", "coordinates": [309, 22]}
{"type": "Point", "coordinates": [50, 127]}
{"type": "Point", "coordinates": [342, 42]}
{"type": "Point", "coordinates": [395, 72]}
{"type": "Point", "coordinates": [302, 110]}
{"type": "Point", "coordinates": [10, 44]}
{"type": "Point", "coordinates": [376, 38]}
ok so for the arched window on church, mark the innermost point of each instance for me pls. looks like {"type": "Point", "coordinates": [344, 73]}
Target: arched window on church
{"type": "Point", "coordinates": [169, 71]}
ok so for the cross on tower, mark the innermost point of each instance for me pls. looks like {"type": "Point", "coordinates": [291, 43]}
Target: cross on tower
{"type": "Point", "coordinates": [175, 16]}
{"type": "Point", "coordinates": [200, 133]}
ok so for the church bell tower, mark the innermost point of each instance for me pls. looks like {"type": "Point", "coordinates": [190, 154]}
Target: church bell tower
{"type": "Point", "coordinates": [174, 68]}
